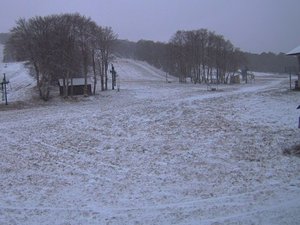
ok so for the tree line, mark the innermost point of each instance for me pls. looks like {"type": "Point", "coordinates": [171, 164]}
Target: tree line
{"type": "Point", "coordinates": [203, 56]}
{"type": "Point", "coordinates": [199, 54]}
{"type": "Point", "coordinates": [272, 63]}
{"type": "Point", "coordinates": [70, 45]}
{"type": "Point", "coordinates": [62, 47]}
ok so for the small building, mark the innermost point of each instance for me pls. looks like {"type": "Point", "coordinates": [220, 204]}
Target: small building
{"type": "Point", "coordinates": [296, 52]}
{"type": "Point", "coordinates": [75, 86]}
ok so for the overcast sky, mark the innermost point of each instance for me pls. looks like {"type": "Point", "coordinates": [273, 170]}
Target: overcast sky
{"type": "Point", "coordinates": [252, 25]}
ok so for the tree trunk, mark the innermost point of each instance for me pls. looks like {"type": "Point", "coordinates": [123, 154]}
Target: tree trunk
{"type": "Point", "coordinates": [102, 75]}
{"type": "Point", "coordinates": [72, 90]}
{"type": "Point", "coordinates": [94, 70]}
{"type": "Point", "coordinates": [66, 85]}
{"type": "Point", "coordinates": [106, 78]}
{"type": "Point", "coordinates": [37, 72]}
{"type": "Point", "coordinates": [85, 71]}
{"type": "Point", "coordinates": [44, 88]}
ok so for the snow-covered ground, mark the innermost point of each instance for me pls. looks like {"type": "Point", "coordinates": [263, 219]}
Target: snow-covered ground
{"type": "Point", "coordinates": [153, 153]}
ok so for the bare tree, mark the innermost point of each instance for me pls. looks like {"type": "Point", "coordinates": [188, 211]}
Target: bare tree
{"type": "Point", "coordinates": [105, 38]}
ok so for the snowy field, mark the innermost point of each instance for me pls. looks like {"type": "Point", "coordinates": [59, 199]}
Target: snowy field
{"type": "Point", "coordinates": [153, 153]}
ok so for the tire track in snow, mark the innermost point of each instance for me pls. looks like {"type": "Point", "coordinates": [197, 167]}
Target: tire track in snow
{"type": "Point", "coordinates": [215, 209]}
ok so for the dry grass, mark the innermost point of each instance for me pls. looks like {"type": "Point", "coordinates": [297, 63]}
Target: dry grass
{"type": "Point", "coordinates": [294, 150]}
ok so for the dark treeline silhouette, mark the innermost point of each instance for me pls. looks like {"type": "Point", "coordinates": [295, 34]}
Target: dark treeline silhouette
{"type": "Point", "coordinates": [4, 38]}
{"type": "Point", "coordinates": [124, 48]}
{"type": "Point", "coordinates": [161, 55]}
{"type": "Point", "coordinates": [203, 56]}
{"type": "Point", "coordinates": [200, 55]}
{"type": "Point", "coordinates": [270, 62]}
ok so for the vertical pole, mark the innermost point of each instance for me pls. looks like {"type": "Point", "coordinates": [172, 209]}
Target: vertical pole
{"type": "Point", "coordinates": [290, 80]}
{"type": "Point", "coordinates": [118, 83]}
{"type": "Point", "coordinates": [5, 91]}
{"type": "Point", "coordinates": [112, 80]}
{"type": "Point", "coordinates": [2, 90]}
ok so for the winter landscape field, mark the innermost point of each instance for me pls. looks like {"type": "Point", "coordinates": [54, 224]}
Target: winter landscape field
{"type": "Point", "coordinates": [155, 152]}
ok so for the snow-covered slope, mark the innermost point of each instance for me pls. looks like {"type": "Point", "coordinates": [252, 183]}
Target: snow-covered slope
{"type": "Point", "coordinates": [20, 82]}
{"type": "Point", "coordinates": [153, 153]}
{"type": "Point", "coordinates": [132, 70]}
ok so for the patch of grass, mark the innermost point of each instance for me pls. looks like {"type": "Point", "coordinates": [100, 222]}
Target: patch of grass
{"type": "Point", "coordinates": [295, 151]}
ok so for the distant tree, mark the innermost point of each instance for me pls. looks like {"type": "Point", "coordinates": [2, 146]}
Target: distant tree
{"type": "Point", "coordinates": [124, 48]}
{"type": "Point", "coordinates": [179, 54]}
{"type": "Point", "coordinates": [103, 45]}
{"type": "Point", "coordinates": [196, 54]}
{"type": "Point", "coordinates": [31, 41]}
{"type": "Point", "coordinates": [4, 37]}
{"type": "Point", "coordinates": [271, 62]}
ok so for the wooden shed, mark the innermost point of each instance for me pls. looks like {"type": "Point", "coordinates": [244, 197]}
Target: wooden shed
{"type": "Point", "coordinates": [75, 86]}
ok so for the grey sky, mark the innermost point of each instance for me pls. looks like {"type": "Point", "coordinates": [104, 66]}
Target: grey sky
{"type": "Point", "coordinates": [252, 25]}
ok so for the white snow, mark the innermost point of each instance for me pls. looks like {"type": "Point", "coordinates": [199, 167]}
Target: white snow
{"type": "Point", "coordinates": [294, 51]}
{"type": "Point", "coordinates": [153, 153]}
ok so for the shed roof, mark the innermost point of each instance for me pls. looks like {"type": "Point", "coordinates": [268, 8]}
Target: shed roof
{"type": "Point", "coordinates": [295, 51]}
{"type": "Point", "coordinates": [76, 81]}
